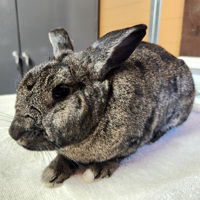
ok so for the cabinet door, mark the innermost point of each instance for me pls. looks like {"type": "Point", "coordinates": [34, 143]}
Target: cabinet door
{"type": "Point", "coordinates": [8, 43]}
{"type": "Point", "coordinates": [38, 17]}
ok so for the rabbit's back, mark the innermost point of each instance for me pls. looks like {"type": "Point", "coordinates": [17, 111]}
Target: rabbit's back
{"type": "Point", "coordinates": [154, 90]}
{"type": "Point", "coordinates": [150, 93]}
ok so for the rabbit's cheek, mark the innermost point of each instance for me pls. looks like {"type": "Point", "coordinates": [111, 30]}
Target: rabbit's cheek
{"type": "Point", "coordinates": [46, 122]}
{"type": "Point", "coordinates": [49, 134]}
{"type": "Point", "coordinates": [63, 124]}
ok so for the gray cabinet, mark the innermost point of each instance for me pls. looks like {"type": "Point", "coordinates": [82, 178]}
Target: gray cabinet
{"type": "Point", "coordinates": [36, 19]}
{"type": "Point", "coordinates": [8, 43]}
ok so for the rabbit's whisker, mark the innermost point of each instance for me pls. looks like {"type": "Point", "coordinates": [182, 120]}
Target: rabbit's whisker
{"type": "Point", "coordinates": [48, 156]}
{"type": "Point", "coordinates": [5, 120]}
{"type": "Point", "coordinates": [4, 127]}
{"type": "Point", "coordinates": [4, 117]}
{"type": "Point", "coordinates": [5, 114]}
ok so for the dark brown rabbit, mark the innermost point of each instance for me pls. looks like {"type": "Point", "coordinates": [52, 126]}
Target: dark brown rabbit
{"type": "Point", "coordinates": [99, 105]}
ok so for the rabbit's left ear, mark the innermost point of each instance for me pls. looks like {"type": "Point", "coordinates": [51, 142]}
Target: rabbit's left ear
{"type": "Point", "coordinates": [113, 49]}
{"type": "Point", "coordinates": [60, 42]}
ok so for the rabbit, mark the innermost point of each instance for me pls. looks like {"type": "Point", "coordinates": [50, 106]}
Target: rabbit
{"type": "Point", "coordinates": [98, 106]}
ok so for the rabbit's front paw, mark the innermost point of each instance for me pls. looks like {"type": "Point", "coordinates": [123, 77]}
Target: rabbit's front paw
{"type": "Point", "coordinates": [100, 170]}
{"type": "Point", "coordinates": [58, 171]}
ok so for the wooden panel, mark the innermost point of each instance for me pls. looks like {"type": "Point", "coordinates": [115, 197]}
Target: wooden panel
{"type": "Point", "coordinates": [171, 25]}
{"type": "Point", "coordinates": [117, 14]}
{"type": "Point", "coordinates": [191, 29]}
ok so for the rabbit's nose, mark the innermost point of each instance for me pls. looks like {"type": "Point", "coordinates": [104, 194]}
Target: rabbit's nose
{"type": "Point", "coordinates": [16, 130]}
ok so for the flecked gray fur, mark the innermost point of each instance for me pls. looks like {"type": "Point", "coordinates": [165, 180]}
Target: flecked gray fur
{"type": "Point", "coordinates": [127, 99]}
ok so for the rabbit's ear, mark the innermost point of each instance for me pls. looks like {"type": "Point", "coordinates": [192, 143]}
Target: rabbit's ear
{"type": "Point", "coordinates": [60, 41]}
{"type": "Point", "coordinates": [114, 48]}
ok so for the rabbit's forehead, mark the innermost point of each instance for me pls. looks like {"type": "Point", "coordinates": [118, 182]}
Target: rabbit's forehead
{"type": "Point", "coordinates": [47, 74]}
{"type": "Point", "coordinates": [54, 69]}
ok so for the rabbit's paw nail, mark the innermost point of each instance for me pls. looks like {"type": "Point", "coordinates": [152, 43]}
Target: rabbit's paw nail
{"type": "Point", "coordinates": [102, 170]}
{"type": "Point", "coordinates": [52, 177]}
{"type": "Point", "coordinates": [105, 173]}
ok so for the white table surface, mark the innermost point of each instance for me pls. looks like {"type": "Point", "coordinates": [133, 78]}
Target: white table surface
{"type": "Point", "coordinates": [169, 169]}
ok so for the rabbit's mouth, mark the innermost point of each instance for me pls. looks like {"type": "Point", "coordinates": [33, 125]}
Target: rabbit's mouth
{"type": "Point", "coordinates": [36, 144]}
{"type": "Point", "coordinates": [30, 137]}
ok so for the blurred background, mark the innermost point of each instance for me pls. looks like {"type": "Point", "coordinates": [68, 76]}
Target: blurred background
{"type": "Point", "coordinates": [173, 24]}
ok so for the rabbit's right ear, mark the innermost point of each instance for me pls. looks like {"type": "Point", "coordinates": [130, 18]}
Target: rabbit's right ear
{"type": "Point", "coordinates": [114, 48]}
{"type": "Point", "coordinates": [60, 42]}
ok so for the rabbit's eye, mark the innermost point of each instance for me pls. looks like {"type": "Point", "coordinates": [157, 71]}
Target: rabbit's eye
{"type": "Point", "coordinates": [60, 92]}
{"type": "Point", "coordinates": [29, 86]}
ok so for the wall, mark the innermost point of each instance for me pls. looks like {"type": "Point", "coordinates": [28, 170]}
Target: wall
{"type": "Point", "coordinates": [116, 14]}
{"type": "Point", "coordinates": [191, 29]}
{"type": "Point", "coordinates": [171, 25]}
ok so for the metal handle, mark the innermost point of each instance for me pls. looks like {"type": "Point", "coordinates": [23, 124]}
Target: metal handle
{"type": "Point", "coordinates": [22, 60]}
{"type": "Point", "coordinates": [15, 54]}
{"type": "Point", "coordinates": [19, 62]}
{"type": "Point", "coordinates": [28, 60]}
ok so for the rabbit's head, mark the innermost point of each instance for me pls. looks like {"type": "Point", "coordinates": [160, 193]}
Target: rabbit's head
{"type": "Point", "coordinates": [60, 102]}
